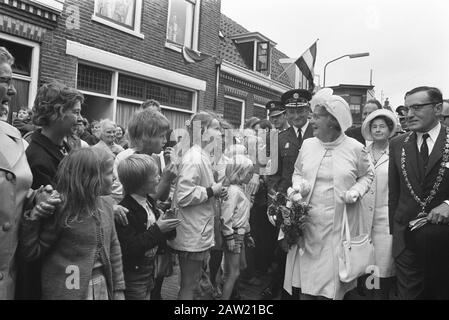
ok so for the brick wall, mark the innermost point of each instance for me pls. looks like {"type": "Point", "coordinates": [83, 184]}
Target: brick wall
{"type": "Point", "coordinates": [55, 64]}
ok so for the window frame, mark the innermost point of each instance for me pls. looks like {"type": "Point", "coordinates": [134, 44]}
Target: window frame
{"type": "Point", "coordinates": [258, 105]}
{"type": "Point", "coordinates": [267, 55]}
{"type": "Point", "coordinates": [194, 28]}
{"type": "Point", "coordinates": [136, 31]}
{"type": "Point", "coordinates": [243, 111]}
{"type": "Point", "coordinates": [34, 68]}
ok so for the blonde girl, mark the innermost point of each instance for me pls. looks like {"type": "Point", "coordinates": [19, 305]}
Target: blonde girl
{"type": "Point", "coordinates": [235, 219]}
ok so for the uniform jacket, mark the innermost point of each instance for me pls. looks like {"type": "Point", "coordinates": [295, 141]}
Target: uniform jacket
{"type": "Point", "coordinates": [402, 207]}
{"type": "Point", "coordinates": [15, 182]}
{"type": "Point", "coordinates": [196, 231]}
{"type": "Point", "coordinates": [288, 149]}
{"type": "Point", "coordinates": [76, 246]}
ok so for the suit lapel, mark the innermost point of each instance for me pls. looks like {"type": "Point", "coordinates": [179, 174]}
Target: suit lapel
{"type": "Point", "coordinates": [308, 133]}
{"type": "Point", "coordinates": [411, 163]}
{"type": "Point", "coordinates": [437, 151]}
{"type": "Point", "coordinates": [292, 137]}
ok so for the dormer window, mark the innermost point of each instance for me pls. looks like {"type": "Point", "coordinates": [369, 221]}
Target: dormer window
{"type": "Point", "coordinates": [255, 50]}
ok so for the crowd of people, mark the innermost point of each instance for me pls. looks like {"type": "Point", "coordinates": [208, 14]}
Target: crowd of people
{"type": "Point", "coordinates": [101, 211]}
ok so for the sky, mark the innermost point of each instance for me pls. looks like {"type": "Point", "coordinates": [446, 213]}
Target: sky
{"type": "Point", "coordinates": [408, 40]}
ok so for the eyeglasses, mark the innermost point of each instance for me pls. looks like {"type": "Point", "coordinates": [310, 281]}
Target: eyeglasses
{"type": "Point", "coordinates": [7, 80]}
{"type": "Point", "coordinates": [417, 107]}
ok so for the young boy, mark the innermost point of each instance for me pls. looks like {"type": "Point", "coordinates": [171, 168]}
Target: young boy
{"type": "Point", "coordinates": [146, 229]}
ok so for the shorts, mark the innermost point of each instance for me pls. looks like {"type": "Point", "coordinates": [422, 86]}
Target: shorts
{"type": "Point", "coordinates": [195, 256]}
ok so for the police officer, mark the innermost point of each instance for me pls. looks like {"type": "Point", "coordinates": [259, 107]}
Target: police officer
{"type": "Point", "coordinates": [276, 112]}
{"type": "Point", "coordinates": [296, 103]}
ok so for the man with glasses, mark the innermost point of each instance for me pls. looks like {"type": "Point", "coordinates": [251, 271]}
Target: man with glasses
{"type": "Point", "coordinates": [419, 188]}
{"type": "Point", "coordinates": [445, 113]}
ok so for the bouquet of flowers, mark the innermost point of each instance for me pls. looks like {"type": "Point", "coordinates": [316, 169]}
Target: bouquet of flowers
{"type": "Point", "coordinates": [290, 213]}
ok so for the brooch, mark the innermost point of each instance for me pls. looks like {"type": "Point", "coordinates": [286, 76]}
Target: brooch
{"type": "Point", "coordinates": [287, 145]}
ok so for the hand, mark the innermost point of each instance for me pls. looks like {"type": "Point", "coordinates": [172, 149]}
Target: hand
{"type": "Point", "coordinates": [250, 242]}
{"type": "Point", "coordinates": [224, 194]}
{"type": "Point", "coordinates": [217, 189]}
{"type": "Point", "coordinates": [170, 172]}
{"type": "Point", "coordinates": [170, 154]}
{"type": "Point", "coordinates": [302, 188]}
{"type": "Point", "coordinates": [253, 184]}
{"type": "Point", "coordinates": [439, 214]}
{"type": "Point", "coordinates": [164, 205]}
{"type": "Point", "coordinates": [43, 193]}
{"type": "Point", "coordinates": [167, 225]}
{"type": "Point", "coordinates": [230, 244]}
{"type": "Point", "coordinates": [46, 208]}
{"type": "Point", "coordinates": [120, 214]}
{"type": "Point", "coordinates": [351, 196]}
{"type": "Point", "coordinates": [119, 295]}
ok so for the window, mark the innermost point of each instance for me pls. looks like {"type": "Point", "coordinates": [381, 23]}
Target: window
{"type": "Point", "coordinates": [263, 56]}
{"type": "Point", "coordinates": [25, 71]}
{"type": "Point", "coordinates": [233, 111]}
{"type": "Point", "coordinates": [355, 105]}
{"type": "Point", "coordinates": [135, 88]}
{"type": "Point", "coordinates": [259, 111]}
{"type": "Point", "coordinates": [94, 79]}
{"type": "Point", "coordinates": [124, 15]}
{"type": "Point", "coordinates": [183, 23]}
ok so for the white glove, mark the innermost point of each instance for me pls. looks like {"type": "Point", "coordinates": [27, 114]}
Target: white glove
{"type": "Point", "coordinates": [302, 187]}
{"type": "Point", "coordinates": [351, 196]}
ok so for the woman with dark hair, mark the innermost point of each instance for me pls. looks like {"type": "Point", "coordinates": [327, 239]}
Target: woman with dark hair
{"type": "Point", "coordinates": [56, 110]}
{"type": "Point", "coordinates": [379, 127]}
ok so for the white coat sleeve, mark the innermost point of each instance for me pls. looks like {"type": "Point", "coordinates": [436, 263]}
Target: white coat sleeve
{"type": "Point", "coordinates": [188, 191]}
{"type": "Point", "coordinates": [365, 173]}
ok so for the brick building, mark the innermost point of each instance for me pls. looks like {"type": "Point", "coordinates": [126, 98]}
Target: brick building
{"type": "Point", "coordinates": [249, 73]}
{"type": "Point", "coordinates": [122, 52]}
{"type": "Point", "coordinates": [118, 53]}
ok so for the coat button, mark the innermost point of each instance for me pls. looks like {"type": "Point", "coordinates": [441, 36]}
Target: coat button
{"type": "Point", "coordinates": [6, 226]}
{"type": "Point", "coordinates": [1, 276]}
{"type": "Point", "coordinates": [9, 176]}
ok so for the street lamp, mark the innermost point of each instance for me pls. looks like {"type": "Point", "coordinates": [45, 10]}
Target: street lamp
{"type": "Point", "coordinates": [351, 56]}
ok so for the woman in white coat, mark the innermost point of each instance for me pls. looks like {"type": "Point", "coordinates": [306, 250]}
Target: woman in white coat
{"type": "Point", "coordinates": [332, 172]}
{"type": "Point", "coordinates": [378, 127]}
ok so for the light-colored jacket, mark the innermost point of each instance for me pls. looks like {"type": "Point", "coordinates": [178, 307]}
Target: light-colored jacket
{"type": "Point", "coordinates": [235, 212]}
{"type": "Point", "coordinates": [196, 231]}
{"type": "Point", "coordinates": [15, 182]}
{"type": "Point", "coordinates": [351, 171]}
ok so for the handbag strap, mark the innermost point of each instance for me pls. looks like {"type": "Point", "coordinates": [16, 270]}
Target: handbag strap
{"type": "Point", "coordinates": [345, 234]}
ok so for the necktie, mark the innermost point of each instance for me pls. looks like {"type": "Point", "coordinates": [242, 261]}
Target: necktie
{"type": "Point", "coordinates": [299, 137]}
{"type": "Point", "coordinates": [424, 151]}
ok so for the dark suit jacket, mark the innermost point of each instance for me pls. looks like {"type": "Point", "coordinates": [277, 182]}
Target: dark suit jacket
{"type": "Point", "coordinates": [356, 133]}
{"type": "Point", "coordinates": [43, 157]}
{"type": "Point", "coordinates": [135, 239]}
{"type": "Point", "coordinates": [402, 206]}
{"type": "Point", "coordinates": [288, 149]}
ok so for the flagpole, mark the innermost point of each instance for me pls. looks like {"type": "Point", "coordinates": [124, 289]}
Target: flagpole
{"type": "Point", "coordinates": [288, 68]}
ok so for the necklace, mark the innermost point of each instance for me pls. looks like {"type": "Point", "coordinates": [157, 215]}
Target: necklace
{"type": "Point", "coordinates": [424, 203]}
{"type": "Point", "coordinates": [376, 154]}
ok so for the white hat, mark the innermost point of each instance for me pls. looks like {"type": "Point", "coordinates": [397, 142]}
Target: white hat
{"type": "Point", "coordinates": [366, 126]}
{"type": "Point", "coordinates": [335, 105]}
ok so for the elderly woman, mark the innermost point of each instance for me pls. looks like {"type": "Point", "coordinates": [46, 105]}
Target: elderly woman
{"type": "Point", "coordinates": [379, 127]}
{"type": "Point", "coordinates": [15, 183]}
{"type": "Point", "coordinates": [332, 172]}
{"type": "Point", "coordinates": [120, 138]}
{"type": "Point", "coordinates": [107, 138]}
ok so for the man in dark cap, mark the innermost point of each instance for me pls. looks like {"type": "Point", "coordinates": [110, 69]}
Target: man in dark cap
{"type": "Point", "coordinates": [356, 131]}
{"type": "Point", "coordinates": [297, 110]}
{"type": "Point", "coordinates": [276, 112]}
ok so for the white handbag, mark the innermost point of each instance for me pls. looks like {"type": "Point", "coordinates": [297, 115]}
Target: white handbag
{"type": "Point", "coordinates": [355, 254]}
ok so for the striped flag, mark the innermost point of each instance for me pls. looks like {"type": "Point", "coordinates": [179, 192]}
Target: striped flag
{"type": "Point", "coordinates": [306, 63]}
{"type": "Point", "coordinates": [192, 56]}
